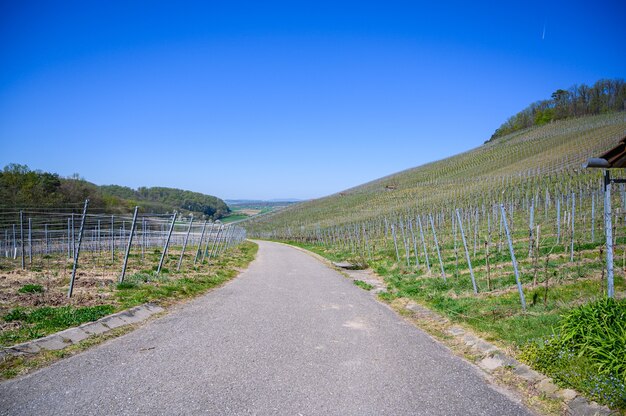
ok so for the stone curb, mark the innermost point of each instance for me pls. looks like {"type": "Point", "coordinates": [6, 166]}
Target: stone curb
{"type": "Point", "coordinates": [71, 336]}
{"type": "Point", "coordinates": [494, 359]}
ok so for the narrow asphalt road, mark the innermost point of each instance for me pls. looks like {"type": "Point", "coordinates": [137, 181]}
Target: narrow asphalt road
{"type": "Point", "coordinates": [288, 337]}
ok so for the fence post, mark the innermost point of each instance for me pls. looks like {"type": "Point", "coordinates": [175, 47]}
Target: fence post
{"type": "Point", "coordinates": [77, 251]}
{"type": "Point", "coordinates": [14, 244]}
{"type": "Point", "coordinates": [513, 260]}
{"type": "Point", "coordinates": [469, 263]}
{"type": "Point", "coordinates": [200, 243]}
{"type": "Point", "coordinates": [22, 238]}
{"type": "Point", "coordinates": [217, 242]}
{"type": "Point", "coordinates": [432, 225]}
{"type": "Point", "coordinates": [46, 237]}
{"type": "Point", "coordinates": [73, 237]}
{"type": "Point", "coordinates": [182, 253]}
{"type": "Point", "coordinates": [167, 242]}
{"type": "Point", "coordinates": [419, 223]}
{"type": "Point", "coordinates": [573, 223]}
{"type": "Point", "coordinates": [608, 231]}
{"type": "Point", "coordinates": [130, 242]}
{"type": "Point", "coordinates": [112, 239]}
{"type": "Point", "coordinates": [208, 242]}
{"type": "Point", "coordinates": [395, 242]}
{"type": "Point", "coordinates": [417, 262]}
{"type": "Point", "coordinates": [530, 228]}
{"type": "Point", "coordinates": [30, 241]}
{"type": "Point", "coordinates": [593, 217]}
{"type": "Point", "coordinates": [213, 245]}
{"type": "Point", "coordinates": [558, 219]}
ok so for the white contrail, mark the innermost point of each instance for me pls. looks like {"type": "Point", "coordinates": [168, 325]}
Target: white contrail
{"type": "Point", "coordinates": [543, 35]}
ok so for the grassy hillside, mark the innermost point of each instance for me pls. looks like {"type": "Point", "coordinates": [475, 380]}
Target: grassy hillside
{"type": "Point", "coordinates": [551, 153]}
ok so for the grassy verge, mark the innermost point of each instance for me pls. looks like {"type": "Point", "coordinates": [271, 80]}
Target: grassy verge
{"type": "Point", "coordinates": [13, 366]}
{"type": "Point", "coordinates": [498, 317]}
{"type": "Point", "coordinates": [31, 323]}
{"type": "Point", "coordinates": [167, 288]}
{"type": "Point", "coordinates": [21, 323]}
{"type": "Point", "coordinates": [363, 285]}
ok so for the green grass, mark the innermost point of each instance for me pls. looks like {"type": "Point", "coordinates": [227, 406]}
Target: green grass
{"type": "Point", "coordinates": [26, 323]}
{"type": "Point", "coordinates": [363, 285]}
{"type": "Point", "coordinates": [587, 351]}
{"type": "Point", "coordinates": [146, 287]}
{"type": "Point", "coordinates": [38, 322]}
{"type": "Point", "coordinates": [233, 218]}
{"type": "Point", "coordinates": [31, 288]}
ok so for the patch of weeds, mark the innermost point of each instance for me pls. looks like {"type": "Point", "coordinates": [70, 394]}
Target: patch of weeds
{"type": "Point", "coordinates": [31, 288]}
{"type": "Point", "coordinates": [363, 285]}
{"type": "Point", "coordinates": [386, 296]}
{"type": "Point", "coordinates": [126, 285]}
{"type": "Point", "coordinates": [587, 352]}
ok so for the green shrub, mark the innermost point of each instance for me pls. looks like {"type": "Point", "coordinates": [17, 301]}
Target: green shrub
{"type": "Point", "coordinates": [587, 352]}
{"type": "Point", "coordinates": [598, 330]}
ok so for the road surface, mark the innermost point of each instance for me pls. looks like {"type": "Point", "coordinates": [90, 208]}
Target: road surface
{"type": "Point", "coordinates": [289, 336]}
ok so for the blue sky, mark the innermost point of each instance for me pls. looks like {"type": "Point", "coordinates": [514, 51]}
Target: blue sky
{"type": "Point", "coordinates": [275, 100]}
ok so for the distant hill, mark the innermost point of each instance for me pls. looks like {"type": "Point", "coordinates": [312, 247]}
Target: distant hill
{"type": "Point", "coordinates": [22, 187]}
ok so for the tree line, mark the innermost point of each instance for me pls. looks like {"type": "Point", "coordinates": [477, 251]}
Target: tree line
{"type": "Point", "coordinates": [605, 96]}
{"type": "Point", "coordinates": [22, 187]}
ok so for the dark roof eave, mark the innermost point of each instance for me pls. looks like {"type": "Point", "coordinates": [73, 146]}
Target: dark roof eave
{"type": "Point", "coordinates": [617, 155]}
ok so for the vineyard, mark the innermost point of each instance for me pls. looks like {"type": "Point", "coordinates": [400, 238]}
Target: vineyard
{"type": "Point", "coordinates": [71, 257]}
{"type": "Point", "coordinates": [505, 238]}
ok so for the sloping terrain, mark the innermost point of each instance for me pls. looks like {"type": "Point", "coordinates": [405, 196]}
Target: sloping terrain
{"type": "Point", "coordinates": [553, 152]}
